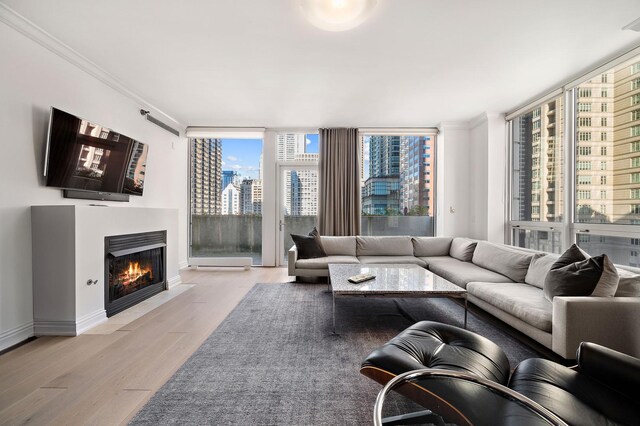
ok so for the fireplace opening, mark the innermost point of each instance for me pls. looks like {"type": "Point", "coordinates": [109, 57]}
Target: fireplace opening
{"type": "Point", "coordinates": [135, 269]}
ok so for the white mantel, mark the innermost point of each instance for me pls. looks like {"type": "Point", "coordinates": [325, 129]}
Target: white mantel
{"type": "Point", "coordinates": [68, 250]}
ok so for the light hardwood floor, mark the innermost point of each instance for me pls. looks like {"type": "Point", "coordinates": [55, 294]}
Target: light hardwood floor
{"type": "Point", "coordinates": [107, 378]}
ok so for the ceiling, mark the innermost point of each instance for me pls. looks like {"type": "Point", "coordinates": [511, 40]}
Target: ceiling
{"type": "Point", "coordinates": [413, 63]}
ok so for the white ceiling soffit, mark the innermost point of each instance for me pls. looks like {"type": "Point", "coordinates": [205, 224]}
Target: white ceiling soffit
{"type": "Point", "coordinates": [225, 132]}
{"type": "Point", "coordinates": [412, 63]}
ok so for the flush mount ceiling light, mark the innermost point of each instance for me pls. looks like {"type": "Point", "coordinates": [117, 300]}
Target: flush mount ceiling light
{"type": "Point", "coordinates": [337, 15]}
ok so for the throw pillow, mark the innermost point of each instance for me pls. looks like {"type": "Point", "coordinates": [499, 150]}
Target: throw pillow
{"type": "Point", "coordinates": [309, 246]}
{"type": "Point", "coordinates": [608, 283]}
{"type": "Point", "coordinates": [462, 249]}
{"type": "Point", "coordinates": [573, 275]}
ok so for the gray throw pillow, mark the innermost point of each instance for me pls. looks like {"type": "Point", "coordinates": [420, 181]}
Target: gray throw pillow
{"type": "Point", "coordinates": [573, 275]}
{"type": "Point", "coordinates": [309, 246]}
{"type": "Point", "coordinates": [462, 249]}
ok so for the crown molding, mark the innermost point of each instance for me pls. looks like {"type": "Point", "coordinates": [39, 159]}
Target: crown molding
{"type": "Point", "coordinates": [24, 26]}
{"type": "Point", "coordinates": [453, 125]}
{"type": "Point", "coordinates": [483, 118]}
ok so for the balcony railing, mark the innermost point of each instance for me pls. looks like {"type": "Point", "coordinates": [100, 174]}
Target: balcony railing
{"type": "Point", "coordinates": [241, 235]}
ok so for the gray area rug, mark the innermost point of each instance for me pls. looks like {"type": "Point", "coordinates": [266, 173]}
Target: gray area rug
{"type": "Point", "coordinates": [275, 359]}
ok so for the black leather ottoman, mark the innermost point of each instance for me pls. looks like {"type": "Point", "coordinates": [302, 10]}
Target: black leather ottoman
{"type": "Point", "coordinates": [430, 344]}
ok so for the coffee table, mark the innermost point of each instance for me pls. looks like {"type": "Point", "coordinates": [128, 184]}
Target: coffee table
{"type": "Point", "coordinates": [400, 281]}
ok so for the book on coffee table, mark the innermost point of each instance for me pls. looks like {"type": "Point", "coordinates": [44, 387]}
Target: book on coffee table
{"type": "Point", "coordinates": [360, 278]}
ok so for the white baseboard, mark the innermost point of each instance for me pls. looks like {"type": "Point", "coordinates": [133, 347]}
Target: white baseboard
{"type": "Point", "coordinates": [90, 320]}
{"type": "Point", "coordinates": [54, 328]}
{"type": "Point", "coordinates": [174, 281]}
{"type": "Point", "coordinates": [16, 335]}
{"type": "Point", "coordinates": [69, 328]}
{"type": "Point", "coordinates": [183, 265]}
{"type": "Point", "coordinates": [221, 261]}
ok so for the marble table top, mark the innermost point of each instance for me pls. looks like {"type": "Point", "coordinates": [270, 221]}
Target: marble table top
{"type": "Point", "coordinates": [403, 280]}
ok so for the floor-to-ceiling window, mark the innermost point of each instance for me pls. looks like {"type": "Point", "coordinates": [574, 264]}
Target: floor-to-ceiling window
{"type": "Point", "coordinates": [607, 172]}
{"type": "Point", "coordinates": [226, 198]}
{"type": "Point", "coordinates": [398, 183]}
{"type": "Point", "coordinates": [592, 198]}
{"type": "Point", "coordinates": [537, 200]}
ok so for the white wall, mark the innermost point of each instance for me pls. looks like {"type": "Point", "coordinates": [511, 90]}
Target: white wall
{"type": "Point", "coordinates": [478, 186]}
{"type": "Point", "coordinates": [33, 79]}
{"type": "Point", "coordinates": [471, 178]}
{"type": "Point", "coordinates": [488, 176]}
{"type": "Point", "coordinates": [454, 213]}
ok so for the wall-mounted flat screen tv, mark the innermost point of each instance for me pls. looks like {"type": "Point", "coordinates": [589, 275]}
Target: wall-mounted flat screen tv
{"type": "Point", "coordinates": [85, 156]}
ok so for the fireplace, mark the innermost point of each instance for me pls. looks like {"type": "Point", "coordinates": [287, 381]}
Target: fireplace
{"type": "Point", "coordinates": [135, 269]}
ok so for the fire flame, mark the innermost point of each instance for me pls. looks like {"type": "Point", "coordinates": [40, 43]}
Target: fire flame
{"type": "Point", "coordinates": [132, 273]}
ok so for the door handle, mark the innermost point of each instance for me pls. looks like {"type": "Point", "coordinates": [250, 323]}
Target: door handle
{"type": "Point", "coordinates": [281, 226]}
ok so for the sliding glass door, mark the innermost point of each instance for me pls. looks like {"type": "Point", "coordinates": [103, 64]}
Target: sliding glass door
{"type": "Point", "coordinates": [297, 154]}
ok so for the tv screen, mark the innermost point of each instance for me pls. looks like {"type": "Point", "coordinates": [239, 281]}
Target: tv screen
{"type": "Point", "coordinates": [86, 156]}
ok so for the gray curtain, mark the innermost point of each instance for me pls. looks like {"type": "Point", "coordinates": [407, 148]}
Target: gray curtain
{"type": "Point", "coordinates": [339, 186]}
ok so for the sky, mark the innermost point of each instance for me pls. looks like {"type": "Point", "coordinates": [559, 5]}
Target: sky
{"type": "Point", "coordinates": [243, 155]}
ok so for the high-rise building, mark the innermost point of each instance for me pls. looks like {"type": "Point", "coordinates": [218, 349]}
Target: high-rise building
{"type": "Point", "coordinates": [206, 176]}
{"type": "Point", "coordinates": [416, 175]}
{"type": "Point", "coordinates": [229, 176]}
{"type": "Point", "coordinates": [231, 200]}
{"type": "Point", "coordinates": [381, 191]}
{"type": "Point", "coordinates": [594, 150]}
{"type": "Point", "coordinates": [304, 192]}
{"type": "Point", "coordinates": [251, 196]}
{"type": "Point", "coordinates": [289, 145]}
{"type": "Point", "coordinates": [626, 145]}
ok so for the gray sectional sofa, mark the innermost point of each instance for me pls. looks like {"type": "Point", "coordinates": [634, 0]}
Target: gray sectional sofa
{"type": "Point", "coordinates": [505, 281]}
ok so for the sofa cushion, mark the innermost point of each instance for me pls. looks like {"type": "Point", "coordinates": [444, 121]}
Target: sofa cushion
{"type": "Point", "coordinates": [629, 284]}
{"type": "Point", "coordinates": [462, 249]}
{"type": "Point", "coordinates": [523, 301]}
{"type": "Point", "coordinates": [573, 275]}
{"type": "Point", "coordinates": [384, 246]}
{"type": "Point", "coordinates": [323, 262]}
{"type": "Point", "coordinates": [539, 268]}
{"type": "Point", "coordinates": [503, 260]}
{"type": "Point", "coordinates": [460, 273]}
{"type": "Point", "coordinates": [308, 246]}
{"type": "Point", "coordinates": [431, 246]}
{"type": "Point", "coordinates": [339, 246]}
{"type": "Point", "coordinates": [403, 260]}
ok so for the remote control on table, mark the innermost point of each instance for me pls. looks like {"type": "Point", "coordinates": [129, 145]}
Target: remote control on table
{"type": "Point", "coordinates": [360, 278]}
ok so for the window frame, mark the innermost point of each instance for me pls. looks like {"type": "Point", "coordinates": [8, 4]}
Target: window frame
{"type": "Point", "coordinates": [573, 105]}
{"type": "Point", "coordinates": [431, 132]}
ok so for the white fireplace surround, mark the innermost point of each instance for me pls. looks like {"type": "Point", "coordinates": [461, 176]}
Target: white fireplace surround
{"type": "Point", "coordinates": [68, 251]}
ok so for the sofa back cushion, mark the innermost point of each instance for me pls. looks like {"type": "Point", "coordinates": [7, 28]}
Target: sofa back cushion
{"type": "Point", "coordinates": [339, 246]}
{"type": "Point", "coordinates": [462, 249]}
{"type": "Point", "coordinates": [384, 246]}
{"type": "Point", "coordinates": [431, 246]}
{"type": "Point", "coordinates": [629, 284]}
{"type": "Point", "coordinates": [503, 260]}
{"type": "Point", "coordinates": [539, 268]}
